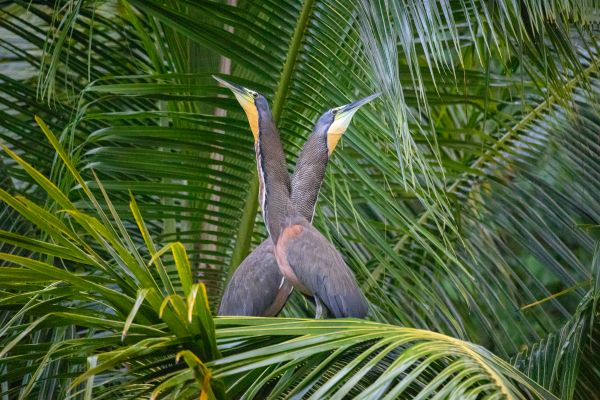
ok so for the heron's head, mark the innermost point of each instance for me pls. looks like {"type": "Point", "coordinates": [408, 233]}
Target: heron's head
{"type": "Point", "coordinates": [254, 104]}
{"type": "Point", "coordinates": [334, 122]}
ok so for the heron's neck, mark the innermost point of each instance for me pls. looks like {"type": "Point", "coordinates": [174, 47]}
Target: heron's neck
{"type": "Point", "coordinates": [273, 175]}
{"type": "Point", "coordinates": [309, 174]}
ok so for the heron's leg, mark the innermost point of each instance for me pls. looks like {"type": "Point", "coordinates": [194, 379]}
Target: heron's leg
{"type": "Point", "coordinates": [321, 310]}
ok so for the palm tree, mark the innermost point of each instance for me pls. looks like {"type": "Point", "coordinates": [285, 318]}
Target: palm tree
{"type": "Point", "coordinates": [465, 200]}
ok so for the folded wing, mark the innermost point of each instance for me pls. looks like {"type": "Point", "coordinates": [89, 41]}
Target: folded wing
{"type": "Point", "coordinates": [313, 265]}
{"type": "Point", "coordinates": [257, 287]}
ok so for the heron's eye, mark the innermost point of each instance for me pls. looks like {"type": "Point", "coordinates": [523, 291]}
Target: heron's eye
{"type": "Point", "coordinates": [334, 111]}
{"type": "Point", "coordinates": [255, 95]}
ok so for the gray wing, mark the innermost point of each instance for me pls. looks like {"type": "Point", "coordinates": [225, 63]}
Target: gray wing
{"type": "Point", "coordinates": [256, 289]}
{"type": "Point", "coordinates": [321, 268]}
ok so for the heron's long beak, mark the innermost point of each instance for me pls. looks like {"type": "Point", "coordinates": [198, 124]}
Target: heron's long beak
{"type": "Point", "coordinates": [354, 106]}
{"type": "Point", "coordinates": [342, 119]}
{"type": "Point", "coordinates": [246, 99]}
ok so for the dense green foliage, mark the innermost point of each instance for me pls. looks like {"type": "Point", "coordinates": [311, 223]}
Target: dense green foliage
{"type": "Point", "coordinates": [466, 200]}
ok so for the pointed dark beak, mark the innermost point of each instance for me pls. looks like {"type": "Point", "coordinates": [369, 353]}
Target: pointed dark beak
{"type": "Point", "coordinates": [356, 104]}
{"type": "Point", "coordinates": [234, 87]}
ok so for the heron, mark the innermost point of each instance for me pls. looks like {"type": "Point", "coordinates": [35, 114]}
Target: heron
{"type": "Point", "coordinates": [258, 287]}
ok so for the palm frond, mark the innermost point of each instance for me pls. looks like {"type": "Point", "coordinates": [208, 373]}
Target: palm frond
{"type": "Point", "coordinates": [565, 360]}
{"type": "Point", "coordinates": [336, 359]}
